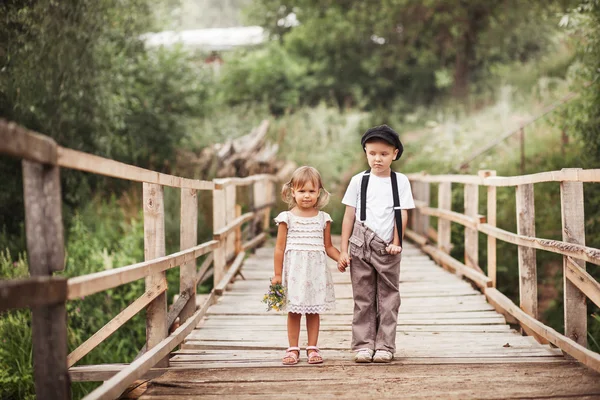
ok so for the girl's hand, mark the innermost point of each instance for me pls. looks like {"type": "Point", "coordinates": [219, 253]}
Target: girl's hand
{"type": "Point", "coordinates": [393, 249]}
{"type": "Point", "coordinates": [276, 279]}
{"type": "Point", "coordinates": [343, 261]}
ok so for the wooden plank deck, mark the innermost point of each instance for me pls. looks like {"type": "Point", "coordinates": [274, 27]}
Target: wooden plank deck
{"type": "Point", "coordinates": [450, 344]}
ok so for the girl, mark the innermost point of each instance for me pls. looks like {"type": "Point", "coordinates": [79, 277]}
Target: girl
{"type": "Point", "coordinates": [303, 239]}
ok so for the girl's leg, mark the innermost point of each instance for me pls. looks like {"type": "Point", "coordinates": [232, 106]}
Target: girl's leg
{"type": "Point", "coordinates": [313, 323]}
{"type": "Point", "coordinates": [293, 329]}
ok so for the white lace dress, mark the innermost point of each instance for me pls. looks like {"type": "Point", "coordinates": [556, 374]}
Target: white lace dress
{"type": "Point", "coordinates": [305, 273]}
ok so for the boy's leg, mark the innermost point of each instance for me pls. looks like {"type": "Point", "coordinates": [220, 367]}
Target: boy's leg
{"type": "Point", "coordinates": [364, 289]}
{"type": "Point", "coordinates": [388, 300]}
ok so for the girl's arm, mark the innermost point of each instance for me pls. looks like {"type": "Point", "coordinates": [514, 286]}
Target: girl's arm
{"type": "Point", "coordinates": [330, 249]}
{"type": "Point", "coordinates": [279, 251]}
{"type": "Point", "coordinates": [347, 226]}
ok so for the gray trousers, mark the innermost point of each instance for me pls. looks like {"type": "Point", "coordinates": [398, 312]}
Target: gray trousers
{"type": "Point", "coordinates": [375, 276]}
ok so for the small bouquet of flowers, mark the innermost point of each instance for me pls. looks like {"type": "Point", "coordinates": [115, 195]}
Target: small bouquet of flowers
{"type": "Point", "coordinates": [275, 297]}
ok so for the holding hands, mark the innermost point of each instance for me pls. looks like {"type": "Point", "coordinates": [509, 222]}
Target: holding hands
{"type": "Point", "coordinates": [343, 261]}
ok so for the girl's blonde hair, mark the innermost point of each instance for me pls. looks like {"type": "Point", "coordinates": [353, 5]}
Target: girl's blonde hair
{"type": "Point", "coordinates": [299, 178]}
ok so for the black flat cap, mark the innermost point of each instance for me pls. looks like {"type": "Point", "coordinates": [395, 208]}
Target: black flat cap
{"type": "Point", "coordinates": [386, 133]}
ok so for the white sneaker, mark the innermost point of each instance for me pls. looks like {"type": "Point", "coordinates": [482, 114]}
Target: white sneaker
{"type": "Point", "coordinates": [363, 356]}
{"type": "Point", "coordinates": [383, 356]}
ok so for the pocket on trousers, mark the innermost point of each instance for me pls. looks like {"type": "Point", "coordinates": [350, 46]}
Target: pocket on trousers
{"type": "Point", "coordinates": [356, 245]}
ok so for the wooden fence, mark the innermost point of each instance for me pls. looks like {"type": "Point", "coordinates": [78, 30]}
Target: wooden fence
{"type": "Point", "coordinates": [47, 295]}
{"type": "Point", "coordinates": [578, 284]}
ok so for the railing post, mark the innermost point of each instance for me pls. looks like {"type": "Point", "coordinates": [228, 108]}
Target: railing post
{"type": "Point", "coordinates": [573, 231]}
{"type": "Point", "coordinates": [238, 231]}
{"type": "Point", "coordinates": [154, 247]}
{"type": "Point", "coordinates": [45, 250]}
{"type": "Point", "coordinates": [491, 220]}
{"type": "Point", "coordinates": [258, 196]}
{"type": "Point", "coordinates": [230, 201]}
{"type": "Point", "coordinates": [188, 237]}
{"type": "Point", "coordinates": [444, 203]}
{"type": "Point", "coordinates": [268, 187]}
{"type": "Point", "coordinates": [425, 192]}
{"type": "Point", "coordinates": [416, 220]}
{"type": "Point", "coordinates": [527, 256]}
{"type": "Point", "coordinates": [471, 192]}
{"type": "Point", "coordinates": [219, 221]}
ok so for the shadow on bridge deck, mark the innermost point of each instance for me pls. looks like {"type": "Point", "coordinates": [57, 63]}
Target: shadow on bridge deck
{"type": "Point", "coordinates": [450, 344]}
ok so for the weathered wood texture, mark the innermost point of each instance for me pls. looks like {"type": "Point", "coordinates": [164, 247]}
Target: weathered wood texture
{"type": "Point", "coordinates": [471, 235]}
{"type": "Point", "coordinates": [32, 292]}
{"type": "Point", "coordinates": [45, 251]}
{"type": "Point", "coordinates": [444, 203]}
{"type": "Point", "coordinates": [449, 341]}
{"type": "Point", "coordinates": [219, 221]}
{"type": "Point", "coordinates": [114, 324]}
{"type": "Point", "coordinates": [526, 255]}
{"type": "Point", "coordinates": [154, 247]}
{"type": "Point", "coordinates": [188, 237]}
{"type": "Point", "coordinates": [573, 231]}
{"type": "Point", "coordinates": [491, 220]}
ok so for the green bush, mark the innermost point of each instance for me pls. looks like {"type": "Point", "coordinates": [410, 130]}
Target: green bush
{"type": "Point", "coordinates": [269, 75]}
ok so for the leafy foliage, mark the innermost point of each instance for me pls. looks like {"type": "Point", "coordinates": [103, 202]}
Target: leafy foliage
{"type": "Point", "coordinates": [373, 52]}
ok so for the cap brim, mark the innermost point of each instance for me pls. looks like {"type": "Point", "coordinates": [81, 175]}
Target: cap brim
{"type": "Point", "coordinates": [385, 138]}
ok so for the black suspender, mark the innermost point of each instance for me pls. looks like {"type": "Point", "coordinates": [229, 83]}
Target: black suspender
{"type": "Point", "coordinates": [363, 200]}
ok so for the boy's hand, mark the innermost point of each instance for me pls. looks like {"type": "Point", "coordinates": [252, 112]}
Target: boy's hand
{"type": "Point", "coordinates": [343, 262]}
{"type": "Point", "coordinates": [394, 249]}
{"type": "Point", "coordinates": [276, 279]}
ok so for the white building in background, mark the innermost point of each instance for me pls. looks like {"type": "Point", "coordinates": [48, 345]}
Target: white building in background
{"type": "Point", "coordinates": [213, 41]}
{"type": "Point", "coordinates": [209, 40]}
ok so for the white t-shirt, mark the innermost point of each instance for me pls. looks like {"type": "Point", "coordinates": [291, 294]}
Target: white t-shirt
{"type": "Point", "coordinates": [380, 202]}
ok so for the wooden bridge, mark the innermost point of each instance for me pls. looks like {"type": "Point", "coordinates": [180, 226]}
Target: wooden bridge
{"type": "Point", "coordinates": [458, 336]}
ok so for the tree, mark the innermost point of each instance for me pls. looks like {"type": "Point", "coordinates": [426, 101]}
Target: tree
{"type": "Point", "coordinates": [380, 49]}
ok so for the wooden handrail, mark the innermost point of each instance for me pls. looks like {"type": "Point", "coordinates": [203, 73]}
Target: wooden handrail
{"type": "Point", "coordinates": [114, 324]}
{"type": "Point", "coordinates": [43, 158]}
{"type": "Point", "coordinates": [113, 387]}
{"type": "Point", "coordinates": [584, 281]}
{"type": "Point", "coordinates": [81, 161]}
{"type": "Point", "coordinates": [101, 281]}
{"type": "Point", "coordinates": [32, 292]}
{"type": "Point", "coordinates": [578, 284]}
{"type": "Point", "coordinates": [218, 235]}
{"type": "Point", "coordinates": [584, 175]}
{"type": "Point", "coordinates": [569, 346]}
{"type": "Point", "coordinates": [588, 254]}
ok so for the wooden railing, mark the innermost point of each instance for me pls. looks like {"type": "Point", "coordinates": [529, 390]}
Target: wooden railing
{"type": "Point", "coordinates": [47, 295]}
{"type": "Point", "coordinates": [578, 284]}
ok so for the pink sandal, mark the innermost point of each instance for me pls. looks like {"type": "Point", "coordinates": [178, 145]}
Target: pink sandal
{"type": "Point", "coordinates": [314, 356]}
{"type": "Point", "coordinates": [290, 357]}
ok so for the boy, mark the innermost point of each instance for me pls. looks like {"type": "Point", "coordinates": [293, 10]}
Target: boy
{"type": "Point", "coordinates": [376, 202]}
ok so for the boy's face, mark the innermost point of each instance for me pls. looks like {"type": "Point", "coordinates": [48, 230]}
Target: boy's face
{"type": "Point", "coordinates": [380, 155]}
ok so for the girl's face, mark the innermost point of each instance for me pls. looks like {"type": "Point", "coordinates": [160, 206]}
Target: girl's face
{"type": "Point", "coordinates": [306, 196]}
{"type": "Point", "coordinates": [380, 156]}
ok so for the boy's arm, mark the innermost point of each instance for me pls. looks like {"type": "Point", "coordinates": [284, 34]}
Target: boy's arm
{"type": "Point", "coordinates": [396, 241]}
{"type": "Point", "coordinates": [330, 249]}
{"type": "Point", "coordinates": [279, 252]}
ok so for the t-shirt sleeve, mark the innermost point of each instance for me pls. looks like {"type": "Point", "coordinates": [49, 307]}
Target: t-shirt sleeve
{"type": "Point", "coordinates": [326, 218]}
{"type": "Point", "coordinates": [351, 194]}
{"type": "Point", "coordinates": [405, 193]}
{"type": "Point", "coordinates": [282, 217]}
